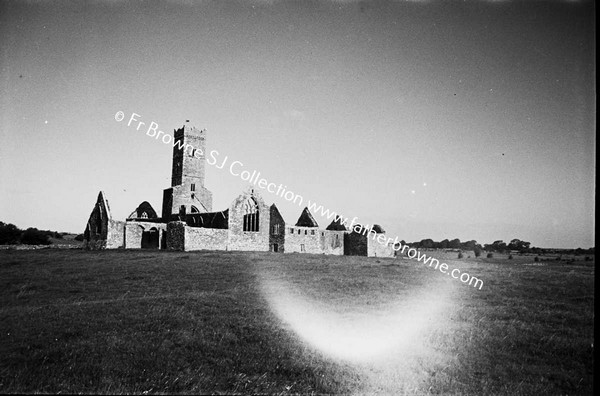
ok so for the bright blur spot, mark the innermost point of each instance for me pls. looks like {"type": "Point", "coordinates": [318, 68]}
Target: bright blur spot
{"type": "Point", "coordinates": [359, 333]}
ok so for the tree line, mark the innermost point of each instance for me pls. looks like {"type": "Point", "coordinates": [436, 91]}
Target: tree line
{"type": "Point", "coordinates": [10, 234]}
{"type": "Point", "coordinates": [499, 246]}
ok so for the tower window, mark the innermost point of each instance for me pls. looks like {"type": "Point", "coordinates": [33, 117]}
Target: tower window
{"type": "Point", "coordinates": [302, 248]}
{"type": "Point", "coordinates": [312, 232]}
{"type": "Point", "coordinates": [305, 232]}
{"type": "Point", "coordinates": [193, 187]}
{"type": "Point", "coordinates": [291, 230]}
{"type": "Point", "coordinates": [144, 215]}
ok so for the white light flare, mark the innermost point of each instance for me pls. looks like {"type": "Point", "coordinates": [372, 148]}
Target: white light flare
{"type": "Point", "coordinates": [359, 333]}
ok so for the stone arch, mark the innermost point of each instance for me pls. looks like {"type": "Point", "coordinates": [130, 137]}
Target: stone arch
{"type": "Point", "coordinates": [150, 238]}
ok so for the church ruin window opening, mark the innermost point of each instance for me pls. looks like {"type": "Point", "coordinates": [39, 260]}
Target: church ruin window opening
{"type": "Point", "coordinates": [251, 220]}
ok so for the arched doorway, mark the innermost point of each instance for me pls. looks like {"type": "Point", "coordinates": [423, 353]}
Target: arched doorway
{"type": "Point", "coordinates": [150, 239]}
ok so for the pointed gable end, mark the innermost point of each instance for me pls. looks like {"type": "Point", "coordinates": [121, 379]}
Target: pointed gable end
{"type": "Point", "coordinates": [306, 219]}
{"type": "Point", "coordinates": [336, 225]}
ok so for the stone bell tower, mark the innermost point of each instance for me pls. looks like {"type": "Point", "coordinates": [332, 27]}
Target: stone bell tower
{"type": "Point", "coordinates": [187, 193]}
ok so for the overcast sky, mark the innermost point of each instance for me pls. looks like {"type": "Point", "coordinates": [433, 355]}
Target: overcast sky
{"type": "Point", "coordinates": [470, 120]}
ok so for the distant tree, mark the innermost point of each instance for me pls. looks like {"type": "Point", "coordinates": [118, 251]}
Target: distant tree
{"type": "Point", "coordinates": [9, 234]}
{"type": "Point", "coordinates": [490, 255]}
{"type": "Point", "coordinates": [477, 250]}
{"type": "Point", "coordinates": [33, 236]}
{"type": "Point", "coordinates": [444, 244]}
{"type": "Point", "coordinates": [510, 256]}
{"type": "Point", "coordinates": [536, 258]}
{"type": "Point", "coordinates": [460, 255]}
{"type": "Point", "coordinates": [498, 246]}
{"type": "Point", "coordinates": [454, 244]}
{"type": "Point", "coordinates": [517, 244]}
{"type": "Point", "coordinates": [79, 237]}
{"type": "Point", "coordinates": [470, 245]}
{"type": "Point", "coordinates": [426, 244]}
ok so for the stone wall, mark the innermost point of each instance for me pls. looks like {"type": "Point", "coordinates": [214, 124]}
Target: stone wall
{"type": "Point", "coordinates": [134, 232]}
{"type": "Point", "coordinates": [303, 239]}
{"type": "Point", "coordinates": [378, 246]}
{"type": "Point", "coordinates": [176, 235]}
{"type": "Point", "coordinates": [201, 198]}
{"type": "Point", "coordinates": [355, 244]}
{"type": "Point", "coordinates": [249, 240]}
{"type": "Point", "coordinates": [101, 232]}
{"type": "Point", "coordinates": [167, 204]}
{"type": "Point", "coordinates": [115, 235]}
{"type": "Point", "coordinates": [332, 242]}
{"type": "Point", "coordinates": [277, 232]}
{"type": "Point", "coordinates": [205, 238]}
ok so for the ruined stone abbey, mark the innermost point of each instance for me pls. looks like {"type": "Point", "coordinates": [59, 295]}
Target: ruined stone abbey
{"type": "Point", "coordinates": [187, 221]}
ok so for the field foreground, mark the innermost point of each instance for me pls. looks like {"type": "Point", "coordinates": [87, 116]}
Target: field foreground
{"type": "Point", "coordinates": [74, 321]}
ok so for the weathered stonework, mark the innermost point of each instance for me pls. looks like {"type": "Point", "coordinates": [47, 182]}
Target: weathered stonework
{"type": "Point", "coordinates": [101, 231]}
{"type": "Point", "coordinates": [143, 234]}
{"type": "Point", "coordinates": [332, 242]}
{"type": "Point", "coordinates": [303, 239]}
{"type": "Point", "coordinates": [249, 203]}
{"type": "Point", "coordinates": [205, 239]}
{"type": "Point", "coordinates": [355, 244]}
{"type": "Point", "coordinates": [378, 247]}
{"type": "Point", "coordinates": [277, 231]}
{"type": "Point", "coordinates": [176, 235]}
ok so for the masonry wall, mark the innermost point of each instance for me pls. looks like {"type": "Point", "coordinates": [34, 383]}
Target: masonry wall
{"type": "Point", "coordinates": [378, 247]}
{"type": "Point", "coordinates": [303, 239]}
{"type": "Point", "coordinates": [101, 232]}
{"type": "Point", "coordinates": [205, 238]}
{"type": "Point", "coordinates": [167, 204]}
{"type": "Point", "coordinates": [355, 244]}
{"type": "Point", "coordinates": [182, 195]}
{"type": "Point", "coordinates": [134, 231]}
{"type": "Point", "coordinates": [277, 232]}
{"type": "Point", "coordinates": [115, 235]}
{"type": "Point", "coordinates": [332, 242]}
{"type": "Point", "coordinates": [248, 240]}
{"type": "Point", "coordinates": [176, 235]}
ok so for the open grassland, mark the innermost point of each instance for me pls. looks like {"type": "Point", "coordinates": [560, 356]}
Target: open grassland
{"type": "Point", "coordinates": [230, 322]}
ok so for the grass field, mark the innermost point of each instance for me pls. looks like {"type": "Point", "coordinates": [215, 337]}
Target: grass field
{"type": "Point", "coordinates": [74, 321]}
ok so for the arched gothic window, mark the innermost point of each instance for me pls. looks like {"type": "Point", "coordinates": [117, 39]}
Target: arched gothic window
{"type": "Point", "coordinates": [250, 210]}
